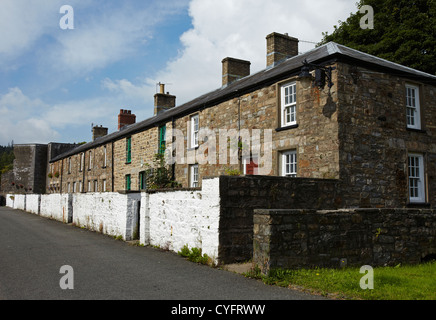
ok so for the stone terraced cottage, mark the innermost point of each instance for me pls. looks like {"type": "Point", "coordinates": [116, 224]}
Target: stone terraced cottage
{"type": "Point", "coordinates": [365, 121]}
{"type": "Point", "coordinates": [335, 151]}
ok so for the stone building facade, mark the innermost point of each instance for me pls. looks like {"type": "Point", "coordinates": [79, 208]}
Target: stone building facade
{"type": "Point", "coordinates": [30, 168]}
{"type": "Point", "coordinates": [373, 129]}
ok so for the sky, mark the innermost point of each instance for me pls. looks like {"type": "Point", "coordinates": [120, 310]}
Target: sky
{"type": "Point", "coordinates": [57, 81]}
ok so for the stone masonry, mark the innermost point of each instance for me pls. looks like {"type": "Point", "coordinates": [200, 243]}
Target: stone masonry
{"type": "Point", "coordinates": [338, 238]}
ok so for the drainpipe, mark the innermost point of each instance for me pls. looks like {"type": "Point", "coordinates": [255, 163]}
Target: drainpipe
{"type": "Point", "coordinates": [239, 135]}
{"type": "Point", "coordinates": [113, 165]}
{"type": "Point", "coordinates": [61, 173]}
{"type": "Point", "coordinates": [173, 165]}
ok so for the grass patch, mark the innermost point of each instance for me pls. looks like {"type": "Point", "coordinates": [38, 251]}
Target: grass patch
{"type": "Point", "coordinates": [417, 282]}
{"type": "Point", "coordinates": [194, 255]}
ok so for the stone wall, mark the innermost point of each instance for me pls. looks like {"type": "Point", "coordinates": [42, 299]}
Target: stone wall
{"type": "Point", "coordinates": [311, 238]}
{"type": "Point", "coordinates": [314, 138]}
{"type": "Point", "coordinates": [56, 206]}
{"type": "Point", "coordinates": [109, 213]}
{"type": "Point", "coordinates": [173, 219]}
{"type": "Point", "coordinates": [375, 141]}
{"type": "Point", "coordinates": [241, 195]}
{"type": "Point", "coordinates": [33, 203]}
{"type": "Point", "coordinates": [144, 147]}
{"type": "Point", "coordinates": [20, 201]}
{"type": "Point", "coordinates": [94, 169]}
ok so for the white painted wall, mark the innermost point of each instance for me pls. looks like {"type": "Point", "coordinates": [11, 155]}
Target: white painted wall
{"type": "Point", "coordinates": [10, 199]}
{"type": "Point", "coordinates": [110, 213]}
{"type": "Point", "coordinates": [168, 220]}
{"type": "Point", "coordinates": [56, 206]}
{"type": "Point", "coordinates": [20, 202]}
{"type": "Point", "coordinates": [171, 220]}
{"type": "Point", "coordinates": [33, 203]}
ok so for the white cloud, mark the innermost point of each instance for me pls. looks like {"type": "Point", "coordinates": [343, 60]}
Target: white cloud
{"type": "Point", "coordinates": [27, 120]}
{"type": "Point", "coordinates": [20, 119]}
{"type": "Point", "coordinates": [238, 29]}
{"type": "Point", "coordinates": [22, 23]}
{"type": "Point", "coordinates": [220, 29]}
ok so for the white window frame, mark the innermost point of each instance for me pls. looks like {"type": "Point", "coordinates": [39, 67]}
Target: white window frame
{"type": "Point", "coordinates": [74, 187]}
{"type": "Point", "coordinates": [89, 186]}
{"type": "Point", "coordinates": [415, 168]}
{"type": "Point", "coordinates": [193, 176]}
{"type": "Point", "coordinates": [95, 186]}
{"type": "Point", "coordinates": [288, 106]}
{"type": "Point", "coordinates": [90, 160]}
{"type": "Point", "coordinates": [413, 107]}
{"type": "Point", "coordinates": [82, 161]}
{"type": "Point", "coordinates": [105, 157]}
{"type": "Point", "coordinates": [104, 185]}
{"type": "Point", "coordinates": [194, 129]}
{"type": "Point", "coordinates": [69, 187]}
{"type": "Point", "coordinates": [289, 163]}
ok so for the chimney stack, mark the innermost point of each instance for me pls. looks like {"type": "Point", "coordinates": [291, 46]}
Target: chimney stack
{"type": "Point", "coordinates": [98, 132]}
{"type": "Point", "coordinates": [280, 47]}
{"type": "Point", "coordinates": [234, 69]}
{"type": "Point", "coordinates": [125, 118]}
{"type": "Point", "coordinates": [163, 101]}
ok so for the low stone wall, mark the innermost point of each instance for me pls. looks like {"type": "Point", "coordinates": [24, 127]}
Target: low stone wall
{"type": "Point", "coordinates": [56, 206]}
{"type": "Point", "coordinates": [33, 203]}
{"type": "Point", "coordinates": [20, 202]}
{"type": "Point", "coordinates": [241, 195]}
{"type": "Point", "coordinates": [109, 213]}
{"type": "Point", "coordinates": [10, 199]}
{"type": "Point", "coordinates": [311, 238]}
{"type": "Point", "coordinates": [172, 219]}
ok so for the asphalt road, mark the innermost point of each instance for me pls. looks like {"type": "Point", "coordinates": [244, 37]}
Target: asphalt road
{"type": "Point", "coordinates": [33, 250]}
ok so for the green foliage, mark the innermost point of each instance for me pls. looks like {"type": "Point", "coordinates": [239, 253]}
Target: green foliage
{"type": "Point", "coordinates": [409, 282]}
{"type": "Point", "coordinates": [403, 32]}
{"type": "Point", "coordinates": [232, 172]}
{"type": "Point", "coordinates": [194, 255]}
{"type": "Point", "coordinates": [160, 176]}
{"type": "Point", "coordinates": [6, 159]}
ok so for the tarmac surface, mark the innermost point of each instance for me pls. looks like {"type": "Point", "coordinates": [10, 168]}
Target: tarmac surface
{"type": "Point", "coordinates": [33, 250]}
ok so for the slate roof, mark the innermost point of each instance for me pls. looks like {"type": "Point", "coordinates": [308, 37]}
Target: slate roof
{"type": "Point", "coordinates": [326, 53]}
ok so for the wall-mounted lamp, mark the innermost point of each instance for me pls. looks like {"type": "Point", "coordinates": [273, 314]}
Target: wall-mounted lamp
{"type": "Point", "coordinates": [322, 74]}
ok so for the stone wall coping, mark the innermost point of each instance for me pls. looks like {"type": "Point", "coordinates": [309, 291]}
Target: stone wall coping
{"type": "Point", "coordinates": [349, 211]}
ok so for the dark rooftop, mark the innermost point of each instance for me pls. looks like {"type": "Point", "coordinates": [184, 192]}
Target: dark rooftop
{"type": "Point", "coordinates": [326, 53]}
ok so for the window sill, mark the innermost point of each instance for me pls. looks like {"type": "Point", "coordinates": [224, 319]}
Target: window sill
{"type": "Point", "coordinates": [294, 126]}
{"type": "Point", "coordinates": [418, 205]}
{"type": "Point", "coordinates": [416, 130]}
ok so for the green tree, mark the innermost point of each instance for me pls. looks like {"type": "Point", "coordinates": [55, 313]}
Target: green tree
{"type": "Point", "coordinates": [6, 159]}
{"type": "Point", "coordinates": [404, 32]}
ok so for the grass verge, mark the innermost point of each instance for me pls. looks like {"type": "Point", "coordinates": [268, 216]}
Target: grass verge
{"type": "Point", "coordinates": [417, 282]}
